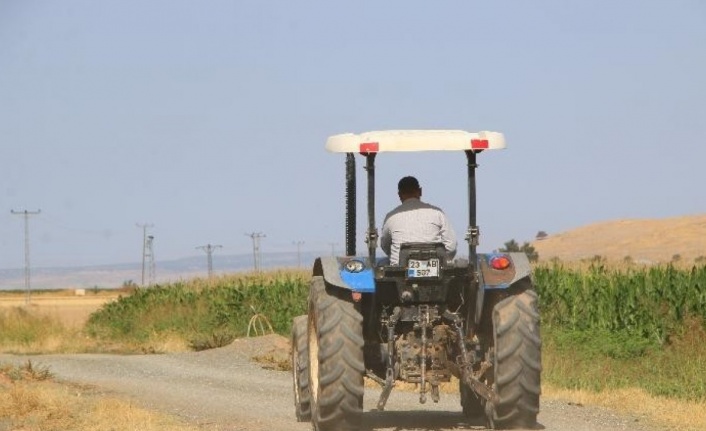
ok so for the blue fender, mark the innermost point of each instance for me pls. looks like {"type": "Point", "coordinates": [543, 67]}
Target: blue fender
{"type": "Point", "coordinates": [334, 271]}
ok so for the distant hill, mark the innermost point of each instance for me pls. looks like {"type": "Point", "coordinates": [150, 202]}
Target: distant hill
{"type": "Point", "coordinates": [644, 240]}
{"type": "Point", "coordinates": [113, 276]}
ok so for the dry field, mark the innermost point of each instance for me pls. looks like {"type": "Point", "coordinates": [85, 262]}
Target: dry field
{"type": "Point", "coordinates": [70, 309]}
{"type": "Point", "coordinates": [645, 241]}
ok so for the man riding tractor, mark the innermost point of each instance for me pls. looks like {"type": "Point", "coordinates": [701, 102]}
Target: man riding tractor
{"type": "Point", "coordinates": [420, 317]}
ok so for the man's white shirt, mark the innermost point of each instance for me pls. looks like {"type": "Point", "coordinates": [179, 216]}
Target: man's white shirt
{"type": "Point", "coordinates": [416, 221]}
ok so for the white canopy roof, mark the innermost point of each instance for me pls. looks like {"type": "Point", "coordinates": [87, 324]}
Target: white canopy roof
{"type": "Point", "coordinates": [415, 140]}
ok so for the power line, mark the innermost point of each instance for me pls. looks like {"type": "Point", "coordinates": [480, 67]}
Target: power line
{"type": "Point", "coordinates": [55, 222]}
{"type": "Point", "coordinates": [145, 251]}
{"type": "Point", "coordinates": [208, 248]}
{"type": "Point", "coordinates": [26, 215]}
{"type": "Point", "coordinates": [256, 248]}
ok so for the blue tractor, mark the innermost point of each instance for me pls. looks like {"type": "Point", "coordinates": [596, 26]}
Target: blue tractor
{"type": "Point", "coordinates": [423, 321]}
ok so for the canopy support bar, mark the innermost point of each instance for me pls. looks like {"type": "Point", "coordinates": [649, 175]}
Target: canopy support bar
{"type": "Point", "coordinates": [473, 232]}
{"type": "Point", "coordinates": [372, 236]}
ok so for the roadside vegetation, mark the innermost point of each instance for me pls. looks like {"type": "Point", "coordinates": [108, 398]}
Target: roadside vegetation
{"type": "Point", "coordinates": [30, 400]}
{"type": "Point", "coordinates": [619, 328]}
{"type": "Point", "coordinates": [201, 313]}
{"type": "Point", "coordinates": [610, 335]}
{"type": "Point", "coordinates": [24, 331]}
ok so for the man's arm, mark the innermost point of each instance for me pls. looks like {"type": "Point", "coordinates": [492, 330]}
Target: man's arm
{"type": "Point", "coordinates": [448, 236]}
{"type": "Point", "coordinates": [386, 238]}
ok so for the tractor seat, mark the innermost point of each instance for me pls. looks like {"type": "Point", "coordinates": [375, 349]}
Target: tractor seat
{"type": "Point", "coordinates": [422, 251]}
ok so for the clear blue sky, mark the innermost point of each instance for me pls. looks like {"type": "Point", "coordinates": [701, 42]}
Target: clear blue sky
{"type": "Point", "coordinates": [208, 119]}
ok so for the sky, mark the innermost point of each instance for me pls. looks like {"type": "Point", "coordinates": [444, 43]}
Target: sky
{"type": "Point", "coordinates": [208, 119]}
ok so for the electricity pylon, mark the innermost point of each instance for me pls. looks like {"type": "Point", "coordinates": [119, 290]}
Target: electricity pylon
{"type": "Point", "coordinates": [26, 215]}
{"type": "Point", "coordinates": [299, 252]}
{"type": "Point", "coordinates": [256, 248]}
{"type": "Point", "coordinates": [208, 248]}
{"type": "Point", "coordinates": [145, 250]}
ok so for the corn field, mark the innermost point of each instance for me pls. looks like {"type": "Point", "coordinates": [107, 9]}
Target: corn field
{"type": "Point", "coordinates": [652, 303]}
{"type": "Point", "coordinates": [204, 307]}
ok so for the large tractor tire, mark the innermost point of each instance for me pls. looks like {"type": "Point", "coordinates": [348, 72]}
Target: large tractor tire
{"type": "Point", "coordinates": [518, 361]}
{"type": "Point", "coordinates": [300, 369]}
{"type": "Point", "coordinates": [336, 367]}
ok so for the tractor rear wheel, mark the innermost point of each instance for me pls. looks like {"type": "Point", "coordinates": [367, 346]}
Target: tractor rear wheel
{"type": "Point", "coordinates": [300, 369]}
{"type": "Point", "coordinates": [336, 367]}
{"type": "Point", "coordinates": [518, 361]}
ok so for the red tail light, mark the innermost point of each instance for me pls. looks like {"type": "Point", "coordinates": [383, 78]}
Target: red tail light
{"type": "Point", "coordinates": [369, 147]}
{"type": "Point", "coordinates": [479, 144]}
{"type": "Point", "coordinates": [500, 262]}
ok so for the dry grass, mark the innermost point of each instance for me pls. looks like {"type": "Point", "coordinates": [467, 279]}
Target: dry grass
{"type": "Point", "coordinates": [668, 413]}
{"type": "Point", "coordinates": [104, 410]}
{"type": "Point", "coordinates": [48, 406]}
{"type": "Point", "coordinates": [71, 310]}
{"type": "Point", "coordinates": [61, 316]}
{"type": "Point", "coordinates": [30, 400]}
{"type": "Point", "coordinates": [157, 343]}
{"type": "Point", "coordinates": [23, 330]}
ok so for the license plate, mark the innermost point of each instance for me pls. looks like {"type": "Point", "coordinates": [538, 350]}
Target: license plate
{"type": "Point", "coordinates": [422, 268]}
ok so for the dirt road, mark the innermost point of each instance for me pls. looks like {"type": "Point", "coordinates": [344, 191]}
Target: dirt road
{"type": "Point", "coordinates": [224, 390]}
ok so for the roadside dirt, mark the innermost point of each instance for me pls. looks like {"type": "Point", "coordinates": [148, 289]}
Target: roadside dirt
{"type": "Point", "coordinates": [225, 390]}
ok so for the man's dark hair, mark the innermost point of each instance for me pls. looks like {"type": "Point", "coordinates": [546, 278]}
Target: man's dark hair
{"type": "Point", "coordinates": [408, 185]}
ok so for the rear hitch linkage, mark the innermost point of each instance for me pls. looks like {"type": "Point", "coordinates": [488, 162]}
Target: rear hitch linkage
{"type": "Point", "coordinates": [466, 374]}
{"type": "Point", "coordinates": [424, 324]}
{"type": "Point", "coordinates": [389, 382]}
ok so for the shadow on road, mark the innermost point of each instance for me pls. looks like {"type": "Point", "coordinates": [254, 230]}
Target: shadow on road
{"type": "Point", "coordinates": [418, 420]}
{"type": "Point", "coordinates": [422, 420]}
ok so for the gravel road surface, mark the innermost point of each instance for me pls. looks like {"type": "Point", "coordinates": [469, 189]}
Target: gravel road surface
{"type": "Point", "coordinates": [225, 390]}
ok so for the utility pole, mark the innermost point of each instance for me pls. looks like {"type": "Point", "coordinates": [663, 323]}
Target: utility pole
{"type": "Point", "coordinates": [144, 227]}
{"type": "Point", "coordinates": [150, 260]}
{"type": "Point", "coordinates": [256, 248]}
{"type": "Point", "coordinates": [299, 252]}
{"type": "Point", "coordinates": [26, 215]}
{"type": "Point", "coordinates": [208, 248]}
{"type": "Point", "coordinates": [333, 248]}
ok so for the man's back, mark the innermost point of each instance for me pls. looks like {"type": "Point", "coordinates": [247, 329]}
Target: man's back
{"type": "Point", "coordinates": [416, 221]}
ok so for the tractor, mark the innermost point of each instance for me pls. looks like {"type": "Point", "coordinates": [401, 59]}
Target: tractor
{"type": "Point", "coordinates": [423, 321]}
